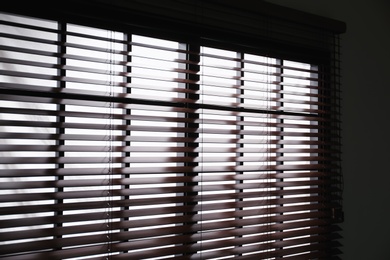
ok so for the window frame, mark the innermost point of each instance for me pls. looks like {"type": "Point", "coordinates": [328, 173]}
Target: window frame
{"type": "Point", "coordinates": [322, 57]}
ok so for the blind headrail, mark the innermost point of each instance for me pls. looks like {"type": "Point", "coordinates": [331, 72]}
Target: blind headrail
{"type": "Point", "coordinates": [195, 13]}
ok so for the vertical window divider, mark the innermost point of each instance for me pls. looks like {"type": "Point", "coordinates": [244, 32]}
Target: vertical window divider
{"type": "Point", "coordinates": [201, 98]}
{"type": "Point", "coordinates": [110, 189]}
{"type": "Point", "coordinates": [268, 163]}
{"type": "Point", "coordinates": [280, 121]}
{"type": "Point", "coordinates": [193, 55]}
{"type": "Point", "coordinates": [197, 48]}
{"type": "Point", "coordinates": [62, 39]}
{"type": "Point", "coordinates": [127, 143]}
{"type": "Point", "coordinates": [240, 128]}
{"type": "Point", "coordinates": [268, 146]}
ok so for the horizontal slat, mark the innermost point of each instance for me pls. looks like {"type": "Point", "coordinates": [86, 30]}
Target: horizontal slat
{"type": "Point", "coordinates": [155, 211]}
{"type": "Point", "coordinates": [177, 159]}
{"type": "Point", "coordinates": [146, 243]}
{"type": "Point", "coordinates": [216, 109]}
{"type": "Point", "coordinates": [227, 137]}
{"type": "Point", "coordinates": [114, 148]}
{"type": "Point", "coordinates": [117, 102]}
{"type": "Point", "coordinates": [84, 137]}
{"type": "Point", "coordinates": [156, 180]}
{"type": "Point", "coordinates": [301, 123]}
{"type": "Point", "coordinates": [143, 191]}
{"type": "Point", "coordinates": [160, 221]}
{"type": "Point", "coordinates": [177, 169]}
{"type": "Point", "coordinates": [93, 250]}
{"type": "Point", "coordinates": [158, 227]}
{"type": "Point", "coordinates": [156, 128]}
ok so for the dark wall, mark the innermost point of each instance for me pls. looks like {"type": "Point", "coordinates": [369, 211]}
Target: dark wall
{"type": "Point", "coordinates": [366, 119]}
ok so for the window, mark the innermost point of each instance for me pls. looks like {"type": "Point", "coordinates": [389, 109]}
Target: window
{"type": "Point", "coordinates": [122, 145]}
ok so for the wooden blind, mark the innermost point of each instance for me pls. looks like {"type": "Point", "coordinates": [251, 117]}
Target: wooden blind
{"type": "Point", "coordinates": [122, 145]}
